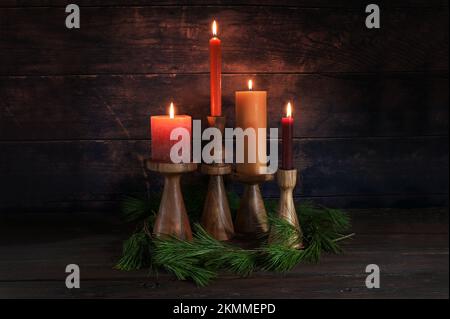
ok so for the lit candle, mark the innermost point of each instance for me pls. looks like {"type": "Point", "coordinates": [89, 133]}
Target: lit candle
{"type": "Point", "coordinates": [215, 64]}
{"type": "Point", "coordinates": [287, 124]}
{"type": "Point", "coordinates": [161, 127]}
{"type": "Point", "coordinates": [251, 112]}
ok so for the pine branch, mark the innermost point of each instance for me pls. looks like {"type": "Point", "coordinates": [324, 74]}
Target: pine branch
{"type": "Point", "coordinates": [225, 257]}
{"type": "Point", "coordinates": [280, 258]}
{"type": "Point", "coordinates": [136, 253]}
{"type": "Point", "coordinates": [321, 227]}
{"type": "Point", "coordinates": [345, 237]}
{"type": "Point", "coordinates": [200, 260]}
{"type": "Point", "coordinates": [183, 259]}
{"type": "Point", "coordinates": [136, 208]}
{"type": "Point", "coordinates": [282, 232]}
{"type": "Point", "coordinates": [233, 201]}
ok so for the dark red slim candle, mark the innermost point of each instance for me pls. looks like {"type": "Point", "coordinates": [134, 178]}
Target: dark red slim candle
{"type": "Point", "coordinates": [287, 125]}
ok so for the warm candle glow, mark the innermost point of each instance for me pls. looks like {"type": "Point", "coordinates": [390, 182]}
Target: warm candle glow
{"type": "Point", "coordinates": [251, 113]}
{"type": "Point", "coordinates": [289, 110]}
{"type": "Point", "coordinates": [171, 111]}
{"type": "Point", "coordinates": [214, 28]}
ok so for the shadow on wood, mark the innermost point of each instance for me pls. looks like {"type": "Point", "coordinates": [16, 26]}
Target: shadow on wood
{"type": "Point", "coordinates": [172, 219]}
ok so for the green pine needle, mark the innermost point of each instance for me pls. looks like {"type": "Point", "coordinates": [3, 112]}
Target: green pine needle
{"type": "Point", "coordinates": [136, 252]}
{"type": "Point", "coordinates": [183, 259]}
{"type": "Point", "coordinates": [233, 200]}
{"type": "Point", "coordinates": [321, 227]}
{"type": "Point", "coordinates": [280, 258]}
{"type": "Point", "coordinates": [282, 232]}
{"type": "Point", "coordinates": [201, 259]}
{"type": "Point", "coordinates": [223, 256]}
{"type": "Point", "coordinates": [135, 208]}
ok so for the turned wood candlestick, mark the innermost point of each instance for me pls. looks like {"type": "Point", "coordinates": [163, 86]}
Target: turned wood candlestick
{"type": "Point", "coordinates": [172, 219]}
{"type": "Point", "coordinates": [216, 217]}
{"type": "Point", "coordinates": [287, 179]}
{"type": "Point", "coordinates": [251, 218]}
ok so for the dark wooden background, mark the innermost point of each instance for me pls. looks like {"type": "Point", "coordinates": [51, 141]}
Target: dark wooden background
{"type": "Point", "coordinates": [372, 105]}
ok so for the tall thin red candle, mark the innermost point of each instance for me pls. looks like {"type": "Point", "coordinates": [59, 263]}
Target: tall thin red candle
{"type": "Point", "coordinates": [215, 65]}
{"type": "Point", "coordinates": [287, 124]}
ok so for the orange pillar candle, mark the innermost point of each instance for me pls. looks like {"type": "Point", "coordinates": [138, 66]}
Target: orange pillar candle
{"type": "Point", "coordinates": [215, 65]}
{"type": "Point", "coordinates": [161, 127]}
{"type": "Point", "coordinates": [251, 112]}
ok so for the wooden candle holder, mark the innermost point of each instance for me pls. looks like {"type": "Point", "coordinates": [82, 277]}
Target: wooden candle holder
{"type": "Point", "coordinates": [287, 179]}
{"type": "Point", "coordinates": [251, 218]}
{"type": "Point", "coordinates": [172, 219]}
{"type": "Point", "coordinates": [216, 217]}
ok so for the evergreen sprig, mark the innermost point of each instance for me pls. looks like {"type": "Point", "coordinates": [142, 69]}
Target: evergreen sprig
{"type": "Point", "coordinates": [136, 252]}
{"type": "Point", "coordinates": [201, 259]}
{"type": "Point", "coordinates": [224, 256]}
{"type": "Point", "coordinates": [137, 208]}
{"type": "Point", "coordinates": [184, 259]}
{"type": "Point", "coordinates": [322, 228]}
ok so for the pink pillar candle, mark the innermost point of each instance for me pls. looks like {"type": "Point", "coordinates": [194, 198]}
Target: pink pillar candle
{"type": "Point", "coordinates": [161, 127]}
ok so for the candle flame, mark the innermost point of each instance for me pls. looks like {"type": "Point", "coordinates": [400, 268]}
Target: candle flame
{"type": "Point", "coordinates": [214, 28]}
{"type": "Point", "coordinates": [289, 110]}
{"type": "Point", "coordinates": [171, 111]}
{"type": "Point", "coordinates": [250, 85]}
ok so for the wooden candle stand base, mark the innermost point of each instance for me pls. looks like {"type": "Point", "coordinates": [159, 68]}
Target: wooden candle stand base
{"type": "Point", "coordinates": [172, 219]}
{"type": "Point", "coordinates": [216, 217]}
{"type": "Point", "coordinates": [251, 218]}
{"type": "Point", "coordinates": [287, 179]}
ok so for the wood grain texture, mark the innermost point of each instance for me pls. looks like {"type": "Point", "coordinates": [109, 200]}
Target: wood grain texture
{"type": "Point", "coordinates": [172, 219]}
{"type": "Point", "coordinates": [287, 180]}
{"type": "Point", "coordinates": [70, 174]}
{"type": "Point", "coordinates": [172, 39]}
{"type": "Point", "coordinates": [251, 217]}
{"type": "Point", "coordinates": [171, 168]}
{"type": "Point", "coordinates": [119, 107]}
{"type": "Point", "coordinates": [282, 3]}
{"type": "Point", "coordinates": [371, 105]}
{"type": "Point", "coordinates": [216, 169]}
{"type": "Point", "coordinates": [410, 246]}
{"type": "Point", "coordinates": [216, 216]}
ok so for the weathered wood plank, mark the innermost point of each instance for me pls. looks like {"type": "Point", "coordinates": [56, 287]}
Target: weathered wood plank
{"type": "Point", "coordinates": [34, 256]}
{"type": "Point", "coordinates": [69, 173]}
{"type": "Point", "coordinates": [400, 221]}
{"type": "Point", "coordinates": [255, 39]}
{"type": "Point", "coordinates": [110, 107]}
{"type": "Point", "coordinates": [371, 166]}
{"type": "Point", "coordinates": [111, 202]}
{"type": "Point", "coordinates": [375, 200]}
{"type": "Point", "coordinates": [426, 285]}
{"type": "Point", "coordinates": [97, 255]}
{"type": "Point", "coordinates": [290, 3]}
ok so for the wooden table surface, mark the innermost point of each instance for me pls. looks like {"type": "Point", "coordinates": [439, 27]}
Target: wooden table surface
{"type": "Point", "coordinates": [410, 247]}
